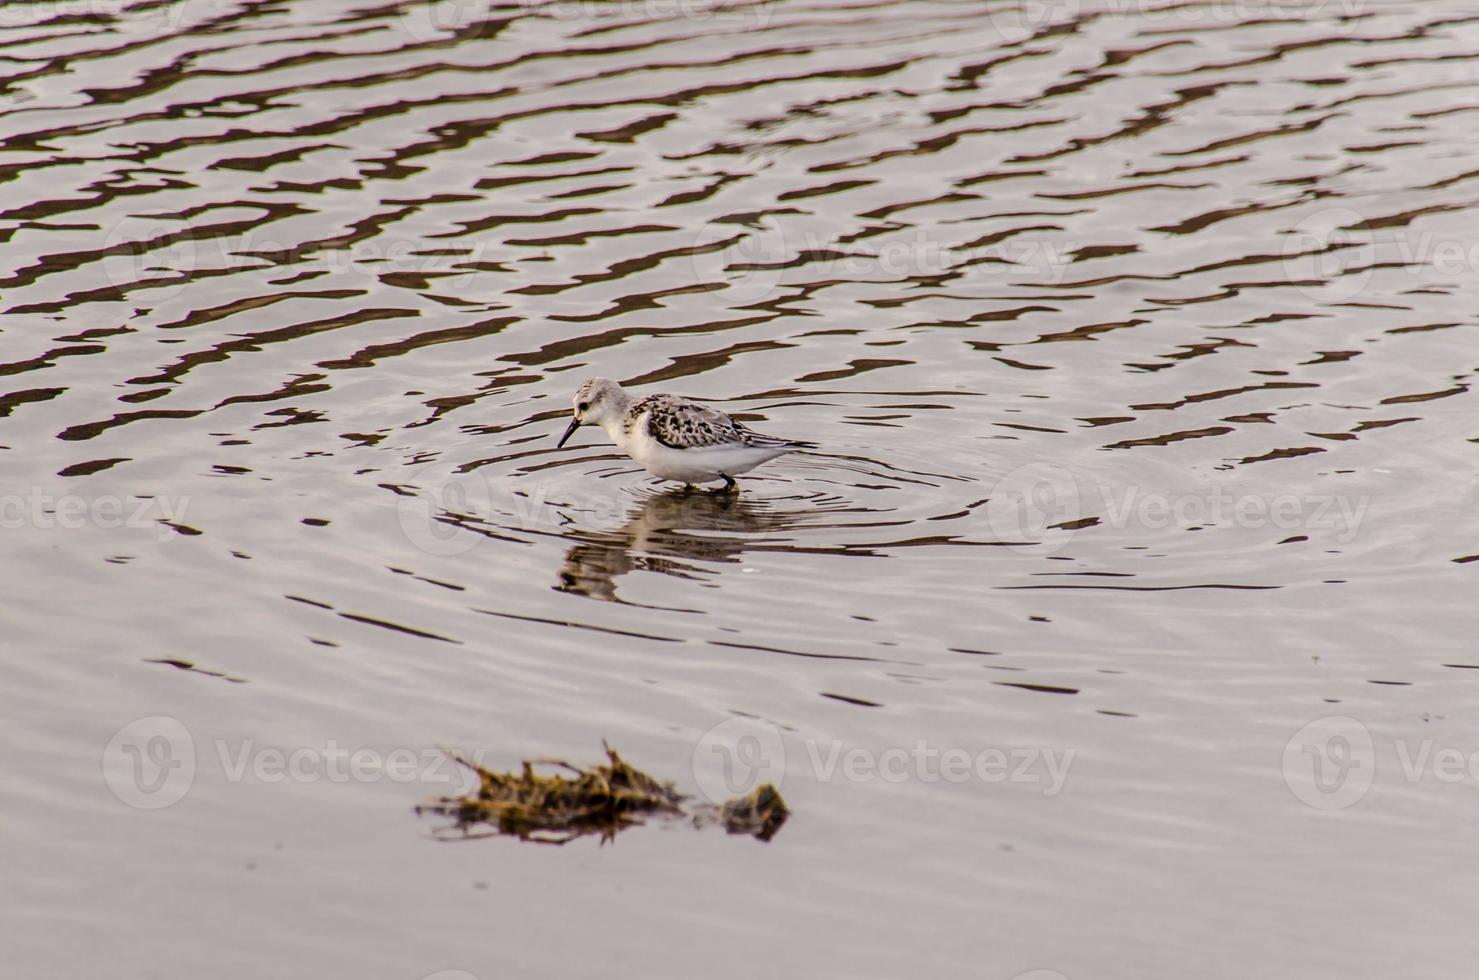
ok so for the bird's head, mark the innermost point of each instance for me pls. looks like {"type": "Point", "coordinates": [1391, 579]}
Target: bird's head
{"type": "Point", "coordinates": [596, 402]}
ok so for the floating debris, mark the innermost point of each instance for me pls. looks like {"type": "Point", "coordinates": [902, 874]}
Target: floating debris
{"type": "Point", "coordinates": [604, 799]}
{"type": "Point", "coordinates": [759, 813]}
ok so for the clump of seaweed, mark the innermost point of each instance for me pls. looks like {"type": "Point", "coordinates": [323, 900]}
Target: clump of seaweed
{"type": "Point", "coordinates": [604, 799]}
{"type": "Point", "coordinates": [758, 813]}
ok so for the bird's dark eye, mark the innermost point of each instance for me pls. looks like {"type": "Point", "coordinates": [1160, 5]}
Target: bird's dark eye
{"type": "Point", "coordinates": [584, 406]}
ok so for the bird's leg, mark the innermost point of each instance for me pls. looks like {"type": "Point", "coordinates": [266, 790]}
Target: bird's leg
{"type": "Point", "coordinates": [729, 485]}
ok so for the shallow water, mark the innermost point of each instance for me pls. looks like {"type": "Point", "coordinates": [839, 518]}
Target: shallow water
{"type": "Point", "coordinates": [1139, 342]}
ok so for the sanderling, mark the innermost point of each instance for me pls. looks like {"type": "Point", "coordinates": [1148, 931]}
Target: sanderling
{"type": "Point", "coordinates": [674, 438]}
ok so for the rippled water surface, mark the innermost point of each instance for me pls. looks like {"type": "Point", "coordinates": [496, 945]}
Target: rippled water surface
{"type": "Point", "coordinates": [1139, 342]}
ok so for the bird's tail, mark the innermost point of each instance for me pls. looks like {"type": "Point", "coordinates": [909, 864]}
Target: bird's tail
{"type": "Point", "coordinates": [774, 442]}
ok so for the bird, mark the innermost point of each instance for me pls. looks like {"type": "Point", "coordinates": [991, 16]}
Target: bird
{"type": "Point", "coordinates": [674, 438]}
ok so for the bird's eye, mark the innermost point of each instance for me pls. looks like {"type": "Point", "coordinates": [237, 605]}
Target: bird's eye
{"type": "Point", "coordinates": [584, 406]}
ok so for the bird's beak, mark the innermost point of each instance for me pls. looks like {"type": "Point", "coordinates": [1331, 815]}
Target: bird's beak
{"type": "Point", "coordinates": [574, 424]}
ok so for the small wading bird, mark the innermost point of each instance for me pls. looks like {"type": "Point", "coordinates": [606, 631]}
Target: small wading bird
{"type": "Point", "coordinates": [674, 438]}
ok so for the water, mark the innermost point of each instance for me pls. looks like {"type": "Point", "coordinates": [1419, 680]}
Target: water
{"type": "Point", "coordinates": [1139, 342]}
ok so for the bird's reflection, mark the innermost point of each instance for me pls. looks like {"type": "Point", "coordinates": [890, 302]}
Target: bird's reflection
{"type": "Point", "coordinates": [675, 533]}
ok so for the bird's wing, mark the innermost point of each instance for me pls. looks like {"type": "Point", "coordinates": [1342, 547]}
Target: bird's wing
{"type": "Point", "coordinates": [682, 424]}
